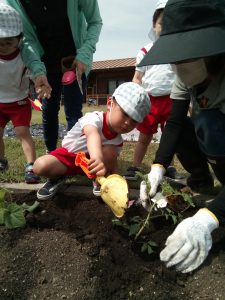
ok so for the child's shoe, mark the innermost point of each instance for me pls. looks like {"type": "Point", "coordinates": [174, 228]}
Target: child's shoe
{"type": "Point", "coordinates": [50, 188]}
{"type": "Point", "coordinates": [30, 176]}
{"type": "Point", "coordinates": [96, 189]}
{"type": "Point", "coordinates": [3, 165]}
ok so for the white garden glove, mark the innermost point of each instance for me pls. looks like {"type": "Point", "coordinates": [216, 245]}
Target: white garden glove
{"type": "Point", "coordinates": [189, 245]}
{"type": "Point", "coordinates": [155, 177]}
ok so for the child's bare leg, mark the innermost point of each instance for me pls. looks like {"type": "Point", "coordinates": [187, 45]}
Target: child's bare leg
{"type": "Point", "coordinates": [141, 148]}
{"type": "Point", "coordinates": [110, 155]}
{"type": "Point", "coordinates": [49, 166]}
{"type": "Point", "coordinates": [23, 133]}
{"type": "Point", "coordinates": [2, 146]}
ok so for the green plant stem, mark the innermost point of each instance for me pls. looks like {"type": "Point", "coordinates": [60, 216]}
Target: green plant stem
{"type": "Point", "coordinates": [145, 222]}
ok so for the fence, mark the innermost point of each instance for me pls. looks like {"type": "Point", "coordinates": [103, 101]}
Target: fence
{"type": "Point", "coordinates": [96, 99]}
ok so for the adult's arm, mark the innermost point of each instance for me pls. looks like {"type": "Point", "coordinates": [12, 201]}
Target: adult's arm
{"type": "Point", "coordinates": [172, 132]}
{"type": "Point", "coordinates": [217, 206]}
{"type": "Point", "coordinates": [87, 47]}
{"type": "Point", "coordinates": [138, 77]}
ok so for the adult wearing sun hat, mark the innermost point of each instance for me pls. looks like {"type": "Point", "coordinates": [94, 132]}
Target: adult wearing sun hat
{"type": "Point", "coordinates": [193, 39]}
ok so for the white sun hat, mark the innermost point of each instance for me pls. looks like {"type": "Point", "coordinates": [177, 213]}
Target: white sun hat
{"type": "Point", "coordinates": [159, 5]}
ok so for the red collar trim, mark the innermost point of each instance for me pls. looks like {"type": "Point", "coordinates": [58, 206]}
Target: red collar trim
{"type": "Point", "coordinates": [10, 56]}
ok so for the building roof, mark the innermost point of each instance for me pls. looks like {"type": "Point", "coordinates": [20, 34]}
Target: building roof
{"type": "Point", "coordinates": [114, 63]}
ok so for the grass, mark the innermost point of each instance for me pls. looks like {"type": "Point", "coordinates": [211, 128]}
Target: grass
{"type": "Point", "coordinates": [36, 115]}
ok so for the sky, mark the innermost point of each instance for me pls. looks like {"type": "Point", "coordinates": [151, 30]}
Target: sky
{"type": "Point", "coordinates": [126, 24]}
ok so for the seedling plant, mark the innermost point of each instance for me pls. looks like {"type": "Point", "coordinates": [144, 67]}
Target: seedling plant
{"type": "Point", "coordinates": [137, 227]}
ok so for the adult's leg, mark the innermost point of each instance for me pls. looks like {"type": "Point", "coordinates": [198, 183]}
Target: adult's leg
{"type": "Point", "coordinates": [50, 112]}
{"type": "Point", "coordinates": [73, 99]}
{"type": "Point", "coordinates": [210, 129]}
{"type": "Point", "coordinates": [192, 158]}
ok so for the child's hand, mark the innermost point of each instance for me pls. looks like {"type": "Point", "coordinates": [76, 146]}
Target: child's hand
{"type": "Point", "coordinates": [42, 87]}
{"type": "Point", "coordinates": [96, 166]}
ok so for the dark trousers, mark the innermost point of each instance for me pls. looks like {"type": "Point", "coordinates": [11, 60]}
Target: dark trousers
{"type": "Point", "coordinates": [203, 142]}
{"type": "Point", "coordinates": [73, 99]}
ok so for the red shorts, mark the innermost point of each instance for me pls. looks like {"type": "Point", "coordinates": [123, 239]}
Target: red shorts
{"type": "Point", "coordinates": [68, 159]}
{"type": "Point", "coordinates": [159, 112]}
{"type": "Point", "coordinates": [18, 112]}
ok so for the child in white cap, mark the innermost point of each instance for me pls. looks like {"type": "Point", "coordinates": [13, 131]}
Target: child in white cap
{"type": "Point", "coordinates": [14, 89]}
{"type": "Point", "coordinates": [98, 134]}
{"type": "Point", "coordinates": [157, 80]}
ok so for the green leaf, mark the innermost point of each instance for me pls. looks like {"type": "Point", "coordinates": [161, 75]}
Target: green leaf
{"type": "Point", "coordinates": [144, 247]}
{"type": "Point", "coordinates": [136, 219]}
{"type": "Point", "coordinates": [14, 217]}
{"type": "Point", "coordinates": [2, 215]}
{"type": "Point", "coordinates": [2, 194]}
{"type": "Point", "coordinates": [30, 208]}
{"type": "Point", "coordinates": [166, 216]}
{"type": "Point", "coordinates": [117, 222]}
{"type": "Point", "coordinates": [134, 228]}
{"type": "Point", "coordinates": [174, 218]}
{"type": "Point", "coordinates": [152, 243]}
{"type": "Point", "coordinates": [150, 250]}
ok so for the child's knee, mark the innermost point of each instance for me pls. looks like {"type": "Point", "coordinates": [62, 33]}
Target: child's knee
{"type": "Point", "coordinates": [40, 166]}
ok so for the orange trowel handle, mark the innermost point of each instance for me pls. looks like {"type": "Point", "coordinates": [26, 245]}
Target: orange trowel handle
{"type": "Point", "coordinates": [82, 161]}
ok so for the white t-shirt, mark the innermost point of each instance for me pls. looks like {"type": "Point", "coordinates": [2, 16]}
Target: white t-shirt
{"type": "Point", "coordinates": [14, 81]}
{"type": "Point", "coordinates": [157, 79]}
{"type": "Point", "coordinates": [75, 141]}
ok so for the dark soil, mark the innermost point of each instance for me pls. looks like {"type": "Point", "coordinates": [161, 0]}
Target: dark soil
{"type": "Point", "coordinates": [70, 250]}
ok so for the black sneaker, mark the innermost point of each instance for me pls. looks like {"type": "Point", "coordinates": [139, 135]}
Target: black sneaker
{"type": "Point", "coordinates": [131, 173]}
{"type": "Point", "coordinates": [3, 165]}
{"type": "Point", "coordinates": [172, 173]}
{"type": "Point", "coordinates": [50, 188]}
{"type": "Point", "coordinates": [196, 183]}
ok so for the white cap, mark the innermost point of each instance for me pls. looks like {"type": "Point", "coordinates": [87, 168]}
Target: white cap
{"type": "Point", "coordinates": [10, 21]}
{"type": "Point", "coordinates": [159, 5]}
{"type": "Point", "coordinates": [133, 99]}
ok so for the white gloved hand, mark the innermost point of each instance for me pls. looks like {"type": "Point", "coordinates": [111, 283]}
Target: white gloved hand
{"type": "Point", "coordinates": [155, 177]}
{"type": "Point", "coordinates": [189, 245]}
{"type": "Point", "coordinates": [143, 196]}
